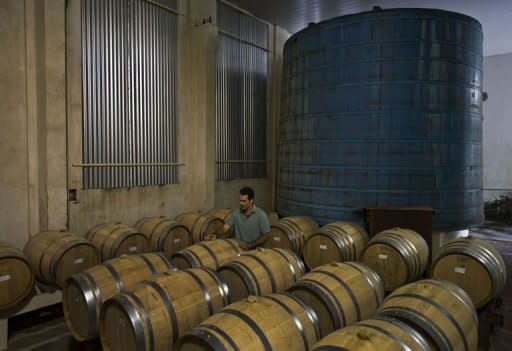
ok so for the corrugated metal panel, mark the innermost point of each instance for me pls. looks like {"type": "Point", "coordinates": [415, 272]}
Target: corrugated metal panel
{"type": "Point", "coordinates": [129, 92]}
{"type": "Point", "coordinates": [383, 108]}
{"type": "Point", "coordinates": [241, 95]}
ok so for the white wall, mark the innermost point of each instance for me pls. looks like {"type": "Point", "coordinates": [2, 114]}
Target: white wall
{"type": "Point", "coordinates": [497, 128]}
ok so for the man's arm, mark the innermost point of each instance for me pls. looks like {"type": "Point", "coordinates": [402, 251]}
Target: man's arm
{"type": "Point", "coordinates": [213, 236]}
{"type": "Point", "coordinates": [255, 243]}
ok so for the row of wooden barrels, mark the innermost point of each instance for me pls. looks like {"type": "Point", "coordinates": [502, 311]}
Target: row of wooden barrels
{"type": "Point", "coordinates": [398, 255]}
{"type": "Point", "coordinates": [53, 256]}
{"type": "Point", "coordinates": [262, 300]}
{"type": "Point", "coordinates": [428, 315]}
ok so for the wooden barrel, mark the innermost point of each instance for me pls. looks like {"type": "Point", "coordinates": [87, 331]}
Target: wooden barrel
{"type": "Point", "coordinates": [439, 310]}
{"type": "Point", "coordinates": [340, 294]}
{"type": "Point", "coordinates": [85, 293]}
{"type": "Point", "coordinates": [274, 322]}
{"type": "Point", "coordinates": [335, 242]}
{"type": "Point", "coordinates": [291, 233]}
{"type": "Point", "coordinates": [117, 239]}
{"type": "Point", "coordinates": [222, 213]}
{"type": "Point", "coordinates": [209, 254]}
{"type": "Point", "coordinates": [202, 225]}
{"type": "Point", "coordinates": [16, 278]}
{"type": "Point", "coordinates": [187, 219]}
{"type": "Point", "coordinates": [398, 255]}
{"type": "Point", "coordinates": [56, 256]}
{"type": "Point", "coordinates": [474, 265]}
{"type": "Point", "coordinates": [156, 312]}
{"type": "Point", "coordinates": [273, 218]}
{"type": "Point", "coordinates": [261, 272]}
{"type": "Point", "coordinates": [381, 333]}
{"type": "Point", "coordinates": [164, 234]}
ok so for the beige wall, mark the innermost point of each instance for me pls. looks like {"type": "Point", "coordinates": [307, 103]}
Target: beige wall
{"type": "Point", "coordinates": [32, 110]}
{"type": "Point", "coordinates": [40, 138]}
{"type": "Point", "coordinates": [13, 113]}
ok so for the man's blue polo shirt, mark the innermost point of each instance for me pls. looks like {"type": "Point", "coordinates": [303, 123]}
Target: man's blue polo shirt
{"type": "Point", "coordinates": [248, 227]}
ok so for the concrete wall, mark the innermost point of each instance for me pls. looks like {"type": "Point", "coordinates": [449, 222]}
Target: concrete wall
{"type": "Point", "coordinates": [497, 133]}
{"type": "Point", "coordinates": [32, 109]}
{"type": "Point", "coordinates": [13, 112]}
{"type": "Point", "coordinates": [40, 138]}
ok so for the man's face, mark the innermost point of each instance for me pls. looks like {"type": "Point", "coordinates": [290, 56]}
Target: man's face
{"type": "Point", "coordinates": [245, 203]}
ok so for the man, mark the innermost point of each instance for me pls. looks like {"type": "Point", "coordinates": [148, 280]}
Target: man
{"type": "Point", "coordinates": [250, 224]}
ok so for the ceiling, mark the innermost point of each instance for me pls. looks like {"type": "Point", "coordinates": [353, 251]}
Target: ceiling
{"type": "Point", "coordinates": [293, 15]}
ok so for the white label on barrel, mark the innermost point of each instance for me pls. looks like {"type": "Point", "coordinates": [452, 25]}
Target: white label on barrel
{"type": "Point", "coordinates": [383, 256]}
{"type": "Point", "coordinates": [5, 277]}
{"type": "Point", "coordinates": [78, 260]}
{"type": "Point", "coordinates": [461, 270]}
{"type": "Point", "coordinates": [177, 240]}
{"type": "Point", "coordinates": [276, 238]}
{"type": "Point", "coordinates": [323, 247]}
{"type": "Point", "coordinates": [132, 249]}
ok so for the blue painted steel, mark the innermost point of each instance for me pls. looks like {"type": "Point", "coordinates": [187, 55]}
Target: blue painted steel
{"type": "Point", "coordinates": [383, 108]}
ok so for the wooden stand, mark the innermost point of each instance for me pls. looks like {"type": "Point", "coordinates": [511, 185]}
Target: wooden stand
{"type": "Point", "coordinates": [41, 299]}
{"type": "Point", "coordinates": [417, 218]}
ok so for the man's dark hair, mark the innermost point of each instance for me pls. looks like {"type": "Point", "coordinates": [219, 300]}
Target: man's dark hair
{"type": "Point", "coordinates": [247, 191]}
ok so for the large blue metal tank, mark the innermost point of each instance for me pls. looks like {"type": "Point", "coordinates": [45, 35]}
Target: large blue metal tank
{"type": "Point", "coordinates": [383, 108]}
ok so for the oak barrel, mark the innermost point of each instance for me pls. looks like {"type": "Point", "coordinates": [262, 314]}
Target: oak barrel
{"type": "Point", "coordinates": [222, 213]}
{"type": "Point", "coordinates": [340, 293]}
{"type": "Point", "coordinates": [274, 322]}
{"type": "Point", "coordinates": [56, 256]}
{"type": "Point", "coordinates": [380, 333]}
{"type": "Point", "coordinates": [153, 314]}
{"type": "Point", "coordinates": [335, 242]}
{"type": "Point", "coordinates": [164, 234]}
{"type": "Point", "coordinates": [209, 254]}
{"type": "Point", "coordinates": [439, 310]}
{"type": "Point", "coordinates": [398, 255]}
{"type": "Point", "coordinates": [474, 265]}
{"type": "Point", "coordinates": [117, 239]}
{"type": "Point", "coordinates": [85, 293]}
{"type": "Point", "coordinates": [261, 272]}
{"type": "Point", "coordinates": [202, 225]}
{"type": "Point", "coordinates": [291, 233]}
{"type": "Point", "coordinates": [273, 217]}
{"type": "Point", "coordinates": [16, 277]}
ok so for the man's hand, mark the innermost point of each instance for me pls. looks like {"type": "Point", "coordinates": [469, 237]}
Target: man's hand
{"type": "Point", "coordinates": [243, 245]}
{"type": "Point", "coordinates": [260, 240]}
{"type": "Point", "coordinates": [210, 237]}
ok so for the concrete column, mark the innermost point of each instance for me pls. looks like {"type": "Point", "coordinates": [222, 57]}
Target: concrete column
{"type": "Point", "coordinates": [197, 103]}
{"type": "Point", "coordinates": [55, 111]}
{"type": "Point", "coordinates": [279, 37]}
{"type": "Point", "coordinates": [13, 114]}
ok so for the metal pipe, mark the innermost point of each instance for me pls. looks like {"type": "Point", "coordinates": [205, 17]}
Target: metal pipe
{"type": "Point", "coordinates": [242, 161]}
{"type": "Point", "coordinates": [166, 8]}
{"type": "Point", "coordinates": [223, 32]}
{"type": "Point", "coordinates": [126, 164]}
